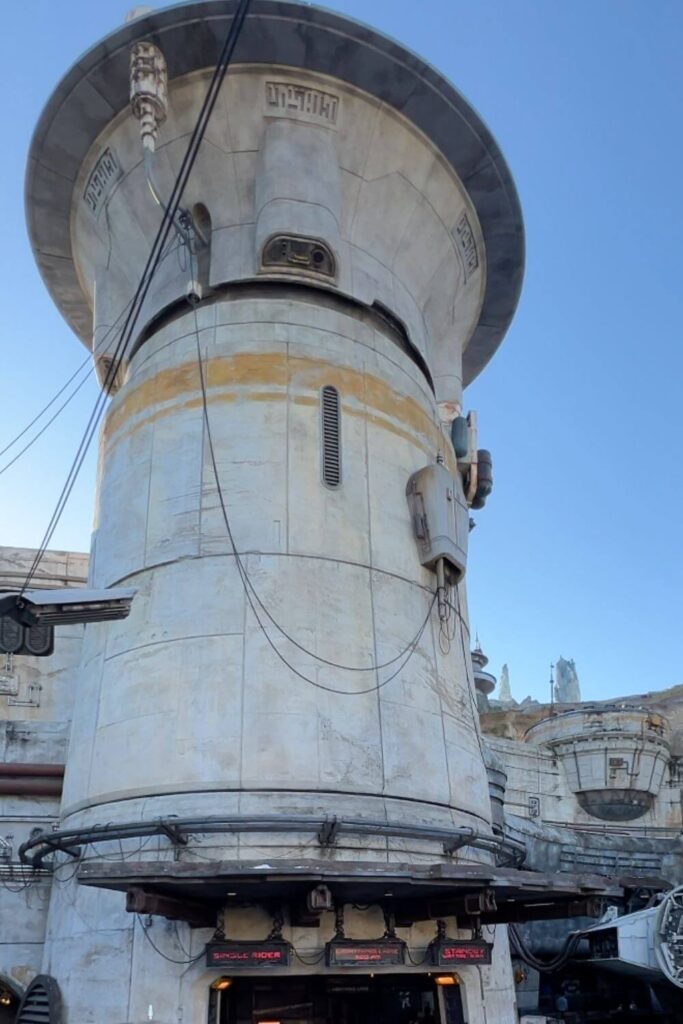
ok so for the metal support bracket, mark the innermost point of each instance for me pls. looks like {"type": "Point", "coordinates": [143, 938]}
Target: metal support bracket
{"type": "Point", "coordinates": [327, 836]}
{"type": "Point", "coordinates": [456, 843]}
{"type": "Point", "coordinates": [174, 834]}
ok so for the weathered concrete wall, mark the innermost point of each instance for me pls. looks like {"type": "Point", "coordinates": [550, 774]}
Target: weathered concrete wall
{"type": "Point", "coordinates": [36, 700]}
{"type": "Point", "coordinates": [186, 696]}
{"type": "Point", "coordinates": [363, 179]}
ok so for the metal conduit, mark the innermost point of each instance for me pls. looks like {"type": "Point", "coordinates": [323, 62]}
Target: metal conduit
{"type": "Point", "coordinates": [31, 769]}
{"type": "Point", "coordinates": [328, 830]}
{"type": "Point", "coordinates": [31, 779]}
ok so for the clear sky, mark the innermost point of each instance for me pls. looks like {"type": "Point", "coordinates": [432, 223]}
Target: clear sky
{"type": "Point", "coordinates": [579, 551]}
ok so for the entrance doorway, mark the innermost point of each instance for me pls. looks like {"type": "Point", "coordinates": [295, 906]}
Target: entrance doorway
{"type": "Point", "coordinates": [394, 999]}
{"type": "Point", "coordinates": [9, 1002]}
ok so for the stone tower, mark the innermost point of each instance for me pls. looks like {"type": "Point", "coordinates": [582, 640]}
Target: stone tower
{"type": "Point", "coordinates": [353, 260]}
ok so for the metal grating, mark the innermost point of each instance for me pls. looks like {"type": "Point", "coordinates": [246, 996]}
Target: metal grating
{"type": "Point", "coordinates": [331, 436]}
{"type": "Point", "coordinates": [42, 1002]}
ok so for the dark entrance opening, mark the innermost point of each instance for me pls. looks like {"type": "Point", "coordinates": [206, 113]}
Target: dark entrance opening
{"type": "Point", "coordinates": [394, 999]}
{"type": "Point", "coordinates": [9, 1002]}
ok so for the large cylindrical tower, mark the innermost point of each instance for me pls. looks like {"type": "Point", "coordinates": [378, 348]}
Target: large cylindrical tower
{"type": "Point", "coordinates": [348, 257]}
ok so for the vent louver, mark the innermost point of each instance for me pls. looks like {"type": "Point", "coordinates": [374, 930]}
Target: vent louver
{"type": "Point", "coordinates": [42, 1003]}
{"type": "Point", "coordinates": [331, 433]}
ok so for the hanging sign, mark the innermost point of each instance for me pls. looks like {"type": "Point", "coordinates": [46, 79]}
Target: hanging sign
{"type": "Point", "coordinates": [365, 952]}
{"type": "Point", "coordinates": [447, 952]}
{"type": "Point", "coordinates": [258, 955]}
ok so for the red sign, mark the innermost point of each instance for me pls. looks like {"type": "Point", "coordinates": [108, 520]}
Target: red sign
{"type": "Point", "coordinates": [247, 954]}
{"type": "Point", "coordinates": [448, 952]}
{"type": "Point", "coordinates": [364, 952]}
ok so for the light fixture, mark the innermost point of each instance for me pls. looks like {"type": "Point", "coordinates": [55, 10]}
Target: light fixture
{"type": "Point", "coordinates": [232, 894]}
{"type": "Point", "coordinates": [220, 984]}
{"type": "Point", "coordinates": [446, 979]}
{"type": "Point", "coordinates": [66, 606]}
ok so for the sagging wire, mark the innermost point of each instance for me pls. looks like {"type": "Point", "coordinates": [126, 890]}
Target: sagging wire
{"type": "Point", "coordinates": [309, 962]}
{"type": "Point", "coordinates": [170, 959]}
{"type": "Point", "coordinates": [520, 950]}
{"type": "Point", "coordinates": [253, 597]}
{"type": "Point", "coordinates": [102, 347]}
{"type": "Point", "coordinates": [469, 680]}
{"type": "Point", "coordinates": [447, 626]}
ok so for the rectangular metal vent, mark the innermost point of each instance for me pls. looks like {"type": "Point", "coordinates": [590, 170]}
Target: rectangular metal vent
{"type": "Point", "coordinates": [331, 436]}
{"type": "Point", "coordinates": [42, 1003]}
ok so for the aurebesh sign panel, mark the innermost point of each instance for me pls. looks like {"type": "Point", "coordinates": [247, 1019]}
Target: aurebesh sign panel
{"type": "Point", "coordinates": [449, 952]}
{"type": "Point", "coordinates": [365, 952]}
{"type": "Point", "coordinates": [251, 955]}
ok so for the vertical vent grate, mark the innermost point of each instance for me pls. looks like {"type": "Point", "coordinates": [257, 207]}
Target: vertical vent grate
{"type": "Point", "coordinates": [331, 431]}
{"type": "Point", "coordinates": [42, 1003]}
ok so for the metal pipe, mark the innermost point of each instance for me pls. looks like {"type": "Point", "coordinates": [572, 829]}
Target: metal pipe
{"type": "Point", "coordinates": [31, 769]}
{"type": "Point", "coordinates": [182, 219]}
{"type": "Point", "coordinates": [31, 787]}
{"type": "Point", "coordinates": [44, 844]}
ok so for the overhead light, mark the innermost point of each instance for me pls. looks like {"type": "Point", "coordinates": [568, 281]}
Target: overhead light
{"type": "Point", "coordinates": [446, 979]}
{"type": "Point", "coordinates": [220, 984]}
{"type": "Point", "coordinates": [232, 894]}
{"type": "Point", "coordinates": [67, 606]}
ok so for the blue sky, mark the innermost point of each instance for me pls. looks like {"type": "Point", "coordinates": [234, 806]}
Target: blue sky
{"type": "Point", "coordinates": [579, 551]}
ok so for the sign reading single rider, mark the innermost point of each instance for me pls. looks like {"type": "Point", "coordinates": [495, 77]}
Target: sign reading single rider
{"type": "Point", "coordinates": [250, 955]}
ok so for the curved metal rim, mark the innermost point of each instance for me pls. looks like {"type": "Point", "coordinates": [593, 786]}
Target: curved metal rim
{"type": "Point", "coordinates": [289, 33]}
{"type": "Point", "coordinates": [177, 830]}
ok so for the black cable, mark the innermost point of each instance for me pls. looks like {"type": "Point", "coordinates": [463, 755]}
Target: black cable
{"type": "Point", "coordinates": [409, 651]}
{"type": "Point", "coordinates": [96, 351]}
{"type": "Point", "coordinates": [249, 583]}
{"type": "Point", "coordinates": [45, 407]}
{"type": "Point", "coordinates": [252, 595]}
{"type": "Point", "coordinates": [49, 423]}
{"type": "Point", "coordinates": [170, 959]}
{"type": "Point", "coordinates": [184, 951]}
{"type": "Point", "coordinates": [548, 966]}
{"type": "Point", "coordinates": [466, 660]}
{"type": "Point", "coordinates": [309, 962]}
{"type": "Point", "coordinates": [167, 223]}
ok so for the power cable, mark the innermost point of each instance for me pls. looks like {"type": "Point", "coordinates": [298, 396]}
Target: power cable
{"type": "Point", "coordinates": [102, 345]}
{"type": "Point", "coordinates": [247, 583]}
{"type": "Point", "coordinates": [167, 223]}
{"type": "Point", "coordinates": [45, 407]}
{"type": "Point", "coordinates": [521, 950]}
{"type": "Point", "coordinates": [469, 683]}
{"type": "Point", "coordinates": [248, 586]}
{"type": "Point", "coordinates": [49, 423]}
{"type": "Point", "coordinates": [170, 959]}
{"type": "Point", "coordinates": [103, 342]}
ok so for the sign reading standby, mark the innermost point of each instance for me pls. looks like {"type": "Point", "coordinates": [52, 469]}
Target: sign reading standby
{"type": "Point", "coordinates": [256, 955]}
{"type": "Point", "coordinates": [447, 952]}
{"type": "Point", "coordinates": [365, 953]}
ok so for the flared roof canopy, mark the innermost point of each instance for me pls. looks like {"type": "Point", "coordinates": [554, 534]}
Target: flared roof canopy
{"type": "Point", "coordinates": [191, 35]}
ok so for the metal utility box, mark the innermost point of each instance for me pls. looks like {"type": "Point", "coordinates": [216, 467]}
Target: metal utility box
{"type": "Point", "coordinates": [441, 519]}
{"type": "Point", "coordinates": [37, 641]}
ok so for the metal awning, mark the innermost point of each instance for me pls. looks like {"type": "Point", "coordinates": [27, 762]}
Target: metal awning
{"type": "Point", "coordinates": [412, 892]}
